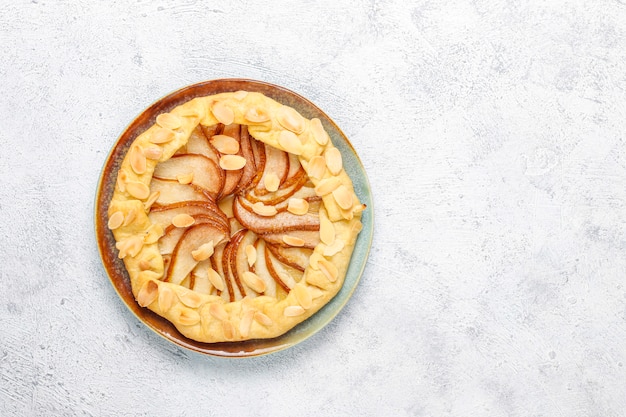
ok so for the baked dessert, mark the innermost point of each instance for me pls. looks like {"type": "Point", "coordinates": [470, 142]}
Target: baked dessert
{"type": "Point", "coordinates": [234, 217]}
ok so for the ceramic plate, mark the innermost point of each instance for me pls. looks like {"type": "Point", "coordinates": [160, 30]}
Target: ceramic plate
{"type": "Point", "coordinates": [115, 267]}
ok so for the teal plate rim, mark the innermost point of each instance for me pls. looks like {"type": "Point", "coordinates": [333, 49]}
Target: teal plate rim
{"type": "Point", "coordinates": [116, 271]}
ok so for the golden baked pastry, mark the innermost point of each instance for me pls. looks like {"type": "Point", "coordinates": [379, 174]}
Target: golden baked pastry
{"type": "Point", "coordinates": [234, 217]}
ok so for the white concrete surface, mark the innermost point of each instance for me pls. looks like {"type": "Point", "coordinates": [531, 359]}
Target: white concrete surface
{"type": "Point", "coordinates": [493, 134]}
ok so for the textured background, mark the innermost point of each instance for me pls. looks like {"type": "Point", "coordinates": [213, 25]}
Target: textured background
{"type": "Point", "coordinates": [493, 135]}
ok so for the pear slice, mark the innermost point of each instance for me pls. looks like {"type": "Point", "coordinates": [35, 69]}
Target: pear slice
{"type": "Point", "coordinates": [163, 215]}
{"type": "Point", "coordinates": [236, 290]}
{"type": "Point", "coordinates": [172, 191]}
{"type": "Point", "coordinates": [277, 270]}
{"type": "Point", "coordinates": [207, 176]}
{"type": "Point", "coordinates": [282, 194]}
{"type": "Point", "coordinates": [297, 258]}
{"type": "Point", "coordinates": [216, 263]}
{"type": "Point", "coordinates": [276, 163]}
{"type": "Point", "coordinates": [182, 262]}
{"type": "Point", "coordinates": [260, 268]}
{"type": "Point", "coordinates": [232, 177]}
{"type": "Point", "coordinates": [249, 170]}
{"type": "Point", "coordinates": [280, 222]}
{"type": "Point", "coordinates": [239, 260]}
{"type": "Point", "coordinates": [199, 144]}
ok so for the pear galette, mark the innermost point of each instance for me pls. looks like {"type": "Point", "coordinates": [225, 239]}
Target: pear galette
{"type": "Point", "coordinates": [234, 217]}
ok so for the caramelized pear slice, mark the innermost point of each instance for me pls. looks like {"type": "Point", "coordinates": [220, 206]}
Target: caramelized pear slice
{"type": "Point", "coordinates": [172, 191]}
{"type": "Point", "coordinates": [297, 258]}
{"type": "Point", "coordinates": [182, 262]}
{"type": "Point", "coordinates": [280, 222]}
{"type": "Point", "coordinates": [260, 268]}
{"type": "Point", "coordinates": [276, 163]}
{"type": "Point", "coordinates": [311, 238]}
{"type": "Point", "coordinates": [163, 215]}
{"type": "Point", "coordinates": [207, 176]}
{"type": "Point", "coordinates": [199, 144]}
{"type": "Point", "coordinates": [232, 177]}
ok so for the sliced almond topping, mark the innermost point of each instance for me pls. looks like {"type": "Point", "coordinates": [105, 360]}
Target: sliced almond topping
{"type": "Point", "coordinates": [137, 159]}
{"type": "Point", "coordinates": [298, 206]}
{"type": "Point", "coordinates": [271, 182]}
{"type": "Point", "coordinates": [162, 135]}
{"type": "Point", "coordinates": [185, 178]}
{"type": "Point", "coordinates": [314, 260]}
{"type": "Point", "coordinates": [190, 298]}
{"type": "Point", "coordinates": [144, 265]}
{"type": "Point", "coordinates": [317, 167]}
{"type": "Point", "coordinates": [253, 281]}
{"type": "Point", "coordinates": [229, 330]}
{"type": "Point", "coordinates": [334, 162]}
{"type": "Point", "coordinates": [246, 323]}
{"type": "Point", "coordinates": [225, 144]}
{"type": "Point", "coordinates": [153, 152]}
{"type": "Point", "coordinates": [148, 293]}
{"type": "Point", "coordinates": [315, 292]}
{"type": "Point", "coordinates": [263, 319]}
{"type": "Point", "coordinates": [232, 162]}
{"type": "Point", "coordinates": [343, 197]}
{"type": "Point", "coordinates": [153, 234]}
{"type": "Point", "coordinates": [240, 95]}
{"type": "Point", "coordinates": [290, 142]}
{"type": "Point", "coordinates": [328, 269]}
{"type": "Point", "coordinates": [183, 220]}
{"type": "Point", "coordinates": [292, 311]}
{"type": "Point", "coordinates": [122, 177]}
{"type": "Point", "coordinates": [203, 253]}
{"type": "Point", "coordinates": [263, 210]}
{"type": "Point", "coordinates": [357, 226]}
{"type": "Point", "coordinates": [191, 112]}
{"type": "Point", "coordinates": [223, 113]}
{"type": "Point", "coordinates": [257, 115]}
{"type": "Point", "coordinates": [139, 190]}
{"type": "Point", "coordinates": [218, 311]}
{"type": "Point", "coordinates": [130, 217]}
{"type": "Point", "coordinates": [151, 199]}
{"type": "Point", "coordinates": [336, 247]}
{"type": "Point", "coordinates": [327, 186]}
{"type": "Point", "coordinates": [167, 298]}
{"type": "Point", "coordinates": [168, 121]}
{"type": "Point", "coordinates": [115, 220]}
{"type": "Point", "coordinates": [327, 230]}
{"type": "Point", "coordinates": [319, 133]}
{"type": "Point", "coordinates": [251, 254]}
{"type": "Point", "coordinates": [290, 119]}
{"type": "Point", "coordinates": [293, 241]}
{"type": "Point", "coordinates": [129, 246]}
{"type": "Point", "coordinates": [303, 296]}
{"type": "Point", "coordinates": [215, 279]}
{"type": "Point", "coordinates": [188, 317]}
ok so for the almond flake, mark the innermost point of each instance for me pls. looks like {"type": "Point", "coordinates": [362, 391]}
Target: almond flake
{"type": "Point", "coordinates": [253, 281]}
{"type": "Point", "coordinates": [240, 95]}
{"type": "Point", "coordinates": [229, 330]}
{"type": "Point", "coordinates": [151, 199]}
{"type": "Point", "coordinates": [343, 197]}
{"type": "Point", "coordinates": [137, 159]}
{"type": "Point", "coordinates": [293, 241]}
{"type": "Point", "coordinates": [263, 319]}
{"type": "Point", "coordinates": [185, 178]}
{"type": "Point", "coordinates": [334, 162]}
{"type": "Point", "coordinates": [271, 182]}
{"type": "Point", "coordinates": [215, 279]}
{"type": "Point", "coordinates": [225, 144]}
{"type": "Point", "coordinates": [290, 119]}
{"type": "Point", "coordinates": [218, 311]}
{"type": "Point", "coordinates": [144, 265]}
{"type": "Point", "coordinates": [319, 134]}
{"type": "Point", "coordinates": [251, 254]}
{"type": "Point", "coordinates": [223, 114]}
{"type": "Point", "coordinates": [292, 311]}
{"type": "Point", "coordinates": [188, 317]}
{"type": "Point", "coordinates": [122, 177]}
{"type": "Point", "coordinates": [314, 260]}
{"type": "Point", "coordinates": [257, 115]}
{"type": "Point", "coordinates": [328, 269]}
{"type": "Point", "coordinates": [190, 298]}
{"type": "Point", "coordinates": [168, 121]}
{"type": "Point", "coordinates": [115, 220]}
{"type": "Point", "coordinates": [153, 234]}
{"type": "Point", "coordinates": [298, 206]}
{"type": "Point", "coordinates": [327, 186]}
{"type": "Point", "coordinates": [317, 167]}
{"type": "Point", "coordinates": [303, 296]}
{"type": "Point", "coordinates": [162, 135]}
{"type": "Point", "coordinates": [203, 253]}
{"type": "Point", "coordinates": [148, 293]}
{"type": "Point", "coordinates": [315, 292]}
{"type": "Point", "coordinates": [232, 162]}
{"type": "Point", "coordinates": [167, 298]}
{"type": "Point", "coordinates": [327, 230]}
{"type": "Point", "coordinates": [336, 247]}
{"type": "Point", "coordinates": [183, 220]}
{"type": "Point", "coordinates": [290, 142]}
{"type": "Point", "coordinates": [263, 210]}
{"type": "Point", "coordinates": [246, 323]}
{"type": "Point", "coordinates": [130, 217]}
{"type": "Point", "coordinates": [129, 246]}
{"type": "Point", "coordinates": [138, 190]}
{"type": "Point", "coordinates": [153, 152]}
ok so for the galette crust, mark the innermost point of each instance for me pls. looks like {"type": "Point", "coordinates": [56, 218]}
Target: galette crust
{"type": "Point", "coordinates": [209, 318]}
